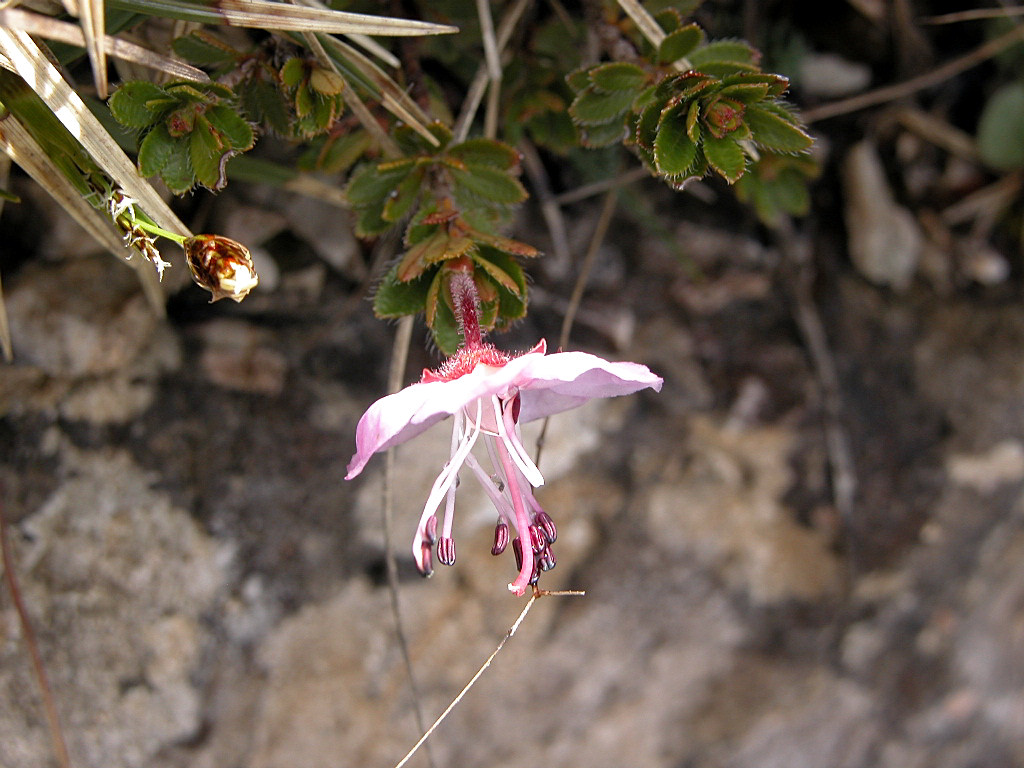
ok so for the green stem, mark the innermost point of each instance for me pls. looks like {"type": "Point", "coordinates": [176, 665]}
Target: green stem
{"type": "Point", "coordinates": [153, 229]}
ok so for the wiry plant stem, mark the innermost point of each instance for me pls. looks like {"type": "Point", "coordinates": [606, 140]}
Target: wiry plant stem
{"type": "Point", "coordinates": [60, 749]}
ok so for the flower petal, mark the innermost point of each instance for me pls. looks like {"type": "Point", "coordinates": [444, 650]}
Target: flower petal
{"type": "Point", "coordinates": [402, 416]}
{"type": "Point", "coordinates": [564, 380]}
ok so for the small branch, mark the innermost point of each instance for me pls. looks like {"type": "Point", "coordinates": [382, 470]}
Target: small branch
{"type": "Point", "coordinates": [508, 635]}
{"type": "Point", "coordinates": [934, 77]}
{"type": "Point", "coordinates": [549, 207]}
{"type": "Point", "coordinates": [60, 748]}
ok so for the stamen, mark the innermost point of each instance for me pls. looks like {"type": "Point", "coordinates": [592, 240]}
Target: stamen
{"type": "Point", "coordinates": [500, 537]}
{"type": "Point", "coordinates": [494, 492]}
{"type": "Point", "coordinates": [430, 532]}
{"type": "Point", "coordinates": [446, 550]}
{"type": "Point", "coordinates": [515, 449]}
{"type": "Point", "coordinates": [546, 561]}
{"type": "Point", "coordinates": [543, 519]}
{"type": "Point", "coordinates": [537, 538]}
{"type": "Point", "coordinates": [517, 550]}
{"type": "Point", "coordinates": [425, 561]}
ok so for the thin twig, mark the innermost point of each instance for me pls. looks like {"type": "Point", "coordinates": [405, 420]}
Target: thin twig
{"type": "Point", "coordinates": [508, 635]}
{"type": "Point", "coordinates": [549, 207]}
{"type": "Point", "coordinates": [598, 187]}
{"type": "Point", "coordinates": [60, 748]}
{"type": "Point", "coordinates": [399, 358]}
{"type": "Point", "coordinates": [928, 79]}
{"type": "Point", "coordinates": [796, 255]}
{"type": "Point", "coordinates": [476, 89]}
{"type": "Point", "coordinates": [974, 14]}
{"type": "Point", "coordinates": [603, 223]}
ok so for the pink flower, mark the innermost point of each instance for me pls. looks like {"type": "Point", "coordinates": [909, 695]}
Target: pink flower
{"type": "Point", "coordinates": [490, 393]}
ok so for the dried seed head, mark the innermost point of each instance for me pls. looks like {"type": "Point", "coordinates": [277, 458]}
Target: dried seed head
{"type": "Point", "coordinates": [220, 265]}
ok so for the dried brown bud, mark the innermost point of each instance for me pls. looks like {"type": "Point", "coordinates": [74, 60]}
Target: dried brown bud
{"type": "Point", "coordinates": [221, 265]}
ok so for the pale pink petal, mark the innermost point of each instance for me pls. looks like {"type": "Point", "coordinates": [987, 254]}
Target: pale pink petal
{"type": "Point", "coordinates": [402, 416]}
{"type": "Point", "coordinates": [564, 380]}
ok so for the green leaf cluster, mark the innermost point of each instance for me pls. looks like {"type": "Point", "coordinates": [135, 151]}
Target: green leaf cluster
{"type": "Point", "coordinates": [187, 131]}
{"type": "Point", "coordinates": [314, 94]}
{"type": "Point", "coordinates": [690, 108]}
{"type": "Point", "coordinates": [451, 196]}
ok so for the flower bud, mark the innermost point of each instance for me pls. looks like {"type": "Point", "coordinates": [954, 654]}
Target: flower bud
{"type": "Point", "coordinates": [220, 265]}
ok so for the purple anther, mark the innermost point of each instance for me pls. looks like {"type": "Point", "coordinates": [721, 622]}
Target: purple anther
{"type": "Point", "coordinates": [426, 561]}
{"type": "Point", "coordinates": [446, 550]}
{"type": "Point", "coordinates": [430, 533]}
{"type": "Point", "coordinates": [500, 538]}
{"type": "Point", "coordinates": [546, 561]}
{"type": "Point", "coordinates": [517, 549]}
{"type": "Point", "coordinates": [543, 519]}
{"type": "Point", "coordinates": [537, 538]}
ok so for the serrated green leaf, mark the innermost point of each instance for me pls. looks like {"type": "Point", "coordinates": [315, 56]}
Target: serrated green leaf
{"type": "Point", "coordinates": [674, 151]}
{"type": "Point", "coordinates": [303, 103]}
{"type": "Point", "coordinates": [420, 255]}
{"type": "Point", "coordinates": [489, 152]}
{"type": "Point", "coordinates": [395, 298]}
{"type": "Point", "coordinates": [512, 304]}
{"type": "Point", "coordinates": [371, 184]}
{"type": "Point", "coordinates": [342, 152]}
{"type": "Point", "coordinates": [495, 272]}
{"type": "Point", "coordinates": [504, 244]}
{"type": "Point", "coordinates": [130, 104]}
{"type": "Point", "coordinates": [293, 72]}
{"type": "Point", "coordinates": [266, 104]}
{"type": "Point", "coordinates": [647, 126]}
{"type": "Point", "coordinates": [747, 93]}
{"type": "Point", "coordinates": [454, 247]}
{"type": "Point", "coordinates": [777, 84]}
{"type": "Point", "coordinates": [203, 49]}
{"type": "Point", "coordinates": [208, 155]}
{"type": "Point", "coordinates": [618, 76]}
{"type": "Point", "coordinates": [403, 197]}
{"type": "Point", "coordinates": [591, 107]}
{"type": "Point", "coordinates": [490, 184]}
{"type": "Point", "coordinates": [692, 125]}
{"type": "Point", "coordinates": [772, 131]}
{"type": "Point", "coordinates": [443, 326]}
{"type": "Point", "coordinates": [579, 79]}
{"type": "Point", "coordinates": [730, 52]}
{"type": "Point", "coordinates": [595, 136]}
{"type": "Point", "coordinates": [235, 132]}
{"type": "Point", "coordinates": [669, 19]}
{"type": "Point", "coordinates": [177, 171]}
{"type": "Point", "coordinates": [680, 43]}
{"type": "Point", "coordinates": [155, 151]}
{"type": "Point", "coordinates": [326, 82]}
{"type": "Point", "coordinates": [369, 222]}
{"type": "Point", "coordinates": [1001, 128]}
{"type": "Point", "coordinates": [725, 156]}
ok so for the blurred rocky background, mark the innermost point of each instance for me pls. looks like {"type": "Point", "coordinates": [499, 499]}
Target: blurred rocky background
{"type": "Point", "coordinates": [807, 551]}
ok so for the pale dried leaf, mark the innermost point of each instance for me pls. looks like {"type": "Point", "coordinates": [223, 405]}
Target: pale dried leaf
{"type": "Point", "coordinates": [94, 30]}
{"type": "Point", "coordinates": [54, 29]}
{"type": "Point", "coordinates": [288, 18]}
{"type": "Point", "coordinates": [32, 65]}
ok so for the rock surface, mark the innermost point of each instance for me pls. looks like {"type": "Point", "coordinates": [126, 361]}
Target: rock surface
{"type": "Point", "coordinates": [209, 592]}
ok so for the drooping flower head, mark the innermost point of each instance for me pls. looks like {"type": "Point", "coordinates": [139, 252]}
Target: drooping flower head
{"type": "Point", "coordinates": [490, 393]}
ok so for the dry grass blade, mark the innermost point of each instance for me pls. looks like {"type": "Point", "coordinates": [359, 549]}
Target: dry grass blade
{"type": "Point", "coordinates": [53, 29]}
{"type": "Point", "coordinates": [644, 21]}
{"type": "Point", "coordinates": [35, 68]}
{"type": "Point", "coordinates": [20, 147]}
{"type": "Point", "coordinates": [94, 30]}
{"type": "Point", "coordinates": [262, 14]}
{"type": "Point", "coordinates": [392, 97]}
